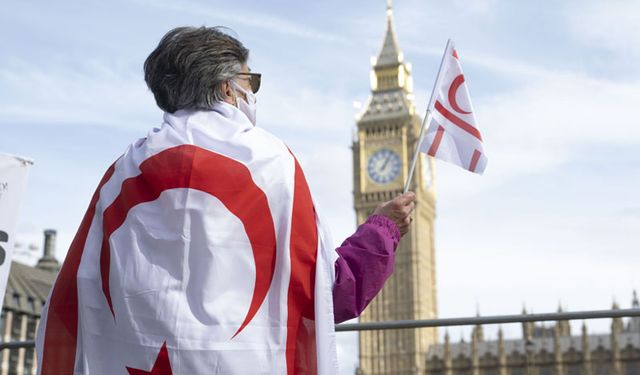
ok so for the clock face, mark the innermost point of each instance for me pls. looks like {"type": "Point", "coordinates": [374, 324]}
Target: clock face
{"type": "Point", "coordinates": [384, 166]}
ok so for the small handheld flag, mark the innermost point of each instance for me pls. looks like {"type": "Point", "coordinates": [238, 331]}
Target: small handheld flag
{"type": "Point", "coordinates": [453, 134]}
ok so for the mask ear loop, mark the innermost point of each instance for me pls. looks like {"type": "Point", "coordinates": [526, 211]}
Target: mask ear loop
{"type": "Point", "coordinates": [235, 94]}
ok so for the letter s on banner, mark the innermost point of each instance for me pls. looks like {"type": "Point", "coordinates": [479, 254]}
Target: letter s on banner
{"type": "Point", "coordinates": [4, 237]}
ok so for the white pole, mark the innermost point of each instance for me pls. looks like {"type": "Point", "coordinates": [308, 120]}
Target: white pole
{"type": "Point", "coordinates": [427, 117]}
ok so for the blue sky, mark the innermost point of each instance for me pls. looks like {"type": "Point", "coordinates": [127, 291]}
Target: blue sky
{"type": "Point", "coordinates": [555, 85]}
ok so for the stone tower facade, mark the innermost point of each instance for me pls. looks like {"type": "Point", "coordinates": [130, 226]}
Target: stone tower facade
{"type": "Point", "coordinates": [388, 129]}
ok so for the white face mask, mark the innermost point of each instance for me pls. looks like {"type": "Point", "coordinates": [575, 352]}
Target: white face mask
{"type": "Point", "coordinates": [248, 107]}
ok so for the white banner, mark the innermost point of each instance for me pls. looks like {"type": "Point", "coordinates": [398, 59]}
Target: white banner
{"type": "Point", "coordinates": [13, 179]}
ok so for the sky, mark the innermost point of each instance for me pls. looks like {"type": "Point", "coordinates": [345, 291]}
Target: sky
{"type": "Point", "coordinates": [555, 87]}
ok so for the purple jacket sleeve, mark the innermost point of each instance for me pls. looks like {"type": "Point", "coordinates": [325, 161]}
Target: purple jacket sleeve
{"type": "Point", "coordinates": [366, 260]}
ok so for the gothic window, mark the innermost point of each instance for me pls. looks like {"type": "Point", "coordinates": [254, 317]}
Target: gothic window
{"type": "Point", "coordinates": [490, 371]}
{"type": "Point", "coordinates": [516, 359]}
{"type": "Point", "coordinates": [629, 353]}
{"type": "Point", "coordinates": [602, 369]}
{"type": "Point", "coordinates": [30, 352]}
{"type": "Point", "coordinates": [16, 327]}
{"type": "Point", "coordinates": [601, 360]}
{"type": "Point", "coordinates": [462, 365]}
{"type": "Point", "coordinates": [631, 368]}
{"type": "Point", "coordinates": [572, 355]}
{"type": "Point", "coordinates": [13, 362]}
{"type": "Point", "coordinates": [3, 323]}
{"type": "Point", "coordinates": [29, 359]}
{"type": "Point", "coordinates": [516, 364]}
{"type": "Point", "coordinates": [573, 369]}
{"type": "Point", "coordinates": [31, 327]}
{"type": "Point", "coordinates": [489, 365]}
{"type": "Point", "coordinates": [435, 365]}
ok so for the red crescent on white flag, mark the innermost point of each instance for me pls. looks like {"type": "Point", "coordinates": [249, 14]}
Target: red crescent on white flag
{"type": "Point", "coordinates": [192, 167]}
{"type": "Point", "coordinates": [453, 91]}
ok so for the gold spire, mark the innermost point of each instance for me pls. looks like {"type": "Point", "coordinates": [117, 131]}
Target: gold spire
{"type": "Point", "coordinates": [389, 69]}
{"type": "Point", "coordinates": [390, 52]}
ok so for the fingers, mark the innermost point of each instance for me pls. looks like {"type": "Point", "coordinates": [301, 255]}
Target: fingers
{"type": "Point", "coordinates": [403, 200]}
{"type": "Point", "coordinates": [405, 204]}
{"type": "Point", "coordinates": [399, 210]}
{"type": "Point", "coordinates": [407, 198]}
{"type": "Point", "coordinates": [404, 225]}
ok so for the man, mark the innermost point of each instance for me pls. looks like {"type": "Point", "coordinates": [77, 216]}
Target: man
{"type": "Point", "coordinates": [201, 251]}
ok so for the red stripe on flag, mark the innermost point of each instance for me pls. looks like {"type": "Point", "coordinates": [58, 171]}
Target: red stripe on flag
{"type": "Point", "coordinates": [300, 300]}
{"type": "Point", "coordinates": [455, 54]}
{"type": "Point", "coordinates": [457, 121]}
{"type": "Point", "coordinates": [61, 330]}
{"type": "Point", "coordinates": [474, 160]}
{"type": "Point", "coordinates": [188, 166]}
{"type": "Point", "coordinates": [436, 141]}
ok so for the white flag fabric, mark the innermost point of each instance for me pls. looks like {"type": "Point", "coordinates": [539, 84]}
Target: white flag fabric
{"type": "Point", "coordinates": [200, 253]}
{"type": "Point", "coordinates": [453, 134]}
{"type": "Point", "coordinates": [13, 180]}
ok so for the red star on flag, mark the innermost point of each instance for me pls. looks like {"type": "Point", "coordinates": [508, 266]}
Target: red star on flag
{"type": "Point", "coordinates": [160, 367]}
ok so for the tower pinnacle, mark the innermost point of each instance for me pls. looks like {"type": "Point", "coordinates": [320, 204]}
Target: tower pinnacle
{"type": "Point", "coordinates": [390, 54]}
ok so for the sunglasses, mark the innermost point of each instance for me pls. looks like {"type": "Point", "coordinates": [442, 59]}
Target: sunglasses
{"type": "Point", "coordinates": [254, 80]}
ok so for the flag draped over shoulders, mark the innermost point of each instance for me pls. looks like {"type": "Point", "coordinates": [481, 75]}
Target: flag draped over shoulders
{"type": "Point", "coordinates": [200, 253]}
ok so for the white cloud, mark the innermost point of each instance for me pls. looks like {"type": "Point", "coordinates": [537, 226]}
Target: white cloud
{"type": "Point", "coordinates": [258, 20]}
{"type": "Point", "coordinates": [482, 7]}
{"type": "Point", "coordinates": [307, 111]}
{"type": "Point", "coordinates": [612, 25]}
{"type": "Point", "coordinates": [559, 113]}
{"type": "Point", "coordinates": [88, 92]}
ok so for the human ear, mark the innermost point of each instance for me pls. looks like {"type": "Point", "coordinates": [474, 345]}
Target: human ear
{"type": "Point", "coordinates": [228, 93]}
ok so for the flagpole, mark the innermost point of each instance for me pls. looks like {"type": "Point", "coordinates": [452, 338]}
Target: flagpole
{"type": "Point", "coordinates": [417, 151]}
{"type": "Point", "coordinates": [427, 117]}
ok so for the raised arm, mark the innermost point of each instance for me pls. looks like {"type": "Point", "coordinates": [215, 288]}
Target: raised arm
{"type": "Point", "coordinates": [366, 259]}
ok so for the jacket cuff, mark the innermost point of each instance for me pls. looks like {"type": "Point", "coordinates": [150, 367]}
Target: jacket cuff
{"type": "Point", "coordinates": [386, 224]}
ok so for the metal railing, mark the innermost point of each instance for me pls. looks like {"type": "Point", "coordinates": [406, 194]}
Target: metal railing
{"type": "Point", "coordinates": [445, 322]}
{"type": "Point", "coordinates": [481, 320]}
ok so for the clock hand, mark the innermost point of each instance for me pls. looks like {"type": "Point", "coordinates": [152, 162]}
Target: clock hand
{"type": "Point", "coordinates": [386, 161]}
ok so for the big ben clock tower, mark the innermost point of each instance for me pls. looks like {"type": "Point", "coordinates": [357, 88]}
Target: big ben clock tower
{"type": "Point", "coordinates": [388, 129]}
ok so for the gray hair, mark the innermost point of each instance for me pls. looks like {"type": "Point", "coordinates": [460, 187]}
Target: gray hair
{"type": "Point", "coordinates": [187, 69]}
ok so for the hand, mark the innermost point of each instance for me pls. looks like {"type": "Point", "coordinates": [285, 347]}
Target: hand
{"type": "Point", "coordinates": [399, 210]}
